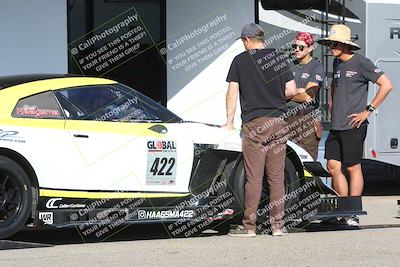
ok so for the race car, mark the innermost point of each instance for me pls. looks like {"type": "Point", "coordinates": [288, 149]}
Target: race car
{"type": "Point", "coordinates": [81, 151]}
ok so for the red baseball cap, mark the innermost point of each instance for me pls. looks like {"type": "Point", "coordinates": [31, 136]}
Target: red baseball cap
{"type": "Point", "coordinates": [305, 37]}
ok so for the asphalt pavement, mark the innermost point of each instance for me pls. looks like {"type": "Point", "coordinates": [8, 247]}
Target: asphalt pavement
{"type": "Point", "coordinates": [375, 243]}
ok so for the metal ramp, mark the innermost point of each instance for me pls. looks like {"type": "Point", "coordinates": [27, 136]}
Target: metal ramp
{"type": "Point", "coordinates": [331, 204]}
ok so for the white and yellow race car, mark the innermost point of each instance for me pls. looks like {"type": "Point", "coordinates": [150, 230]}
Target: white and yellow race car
{"type": "Point", "coordinates": [77, 150]}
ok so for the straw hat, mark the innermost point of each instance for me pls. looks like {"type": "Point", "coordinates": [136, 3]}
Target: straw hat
{"type": "Point", "coordinates": [339, 33]}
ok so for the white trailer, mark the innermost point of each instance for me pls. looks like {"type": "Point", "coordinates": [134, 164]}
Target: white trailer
{"type": "Point", "coordinates": [375, 27]}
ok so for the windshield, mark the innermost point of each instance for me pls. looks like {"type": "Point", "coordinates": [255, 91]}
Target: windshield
{"type": "Point", "coordinates": [116, 102]}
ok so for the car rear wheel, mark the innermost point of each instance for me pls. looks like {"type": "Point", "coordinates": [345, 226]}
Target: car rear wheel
{"type": "Point", "coordinates": [15, 197]}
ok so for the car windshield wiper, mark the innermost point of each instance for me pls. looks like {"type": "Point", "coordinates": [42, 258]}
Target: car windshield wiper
{"type": "Point", "coordinates": [208, 124]}
{"type": "Point", "coordinates": [143, 121]}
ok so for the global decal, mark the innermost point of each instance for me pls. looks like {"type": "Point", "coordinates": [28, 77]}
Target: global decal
{"type": "Point", "coordinates": [161, 145]}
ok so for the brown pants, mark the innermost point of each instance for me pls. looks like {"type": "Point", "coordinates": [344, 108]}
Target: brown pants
{"type": "Point", "coordinates": [305, 131]}
{"type": "Point", "coordinates": [264, 149]}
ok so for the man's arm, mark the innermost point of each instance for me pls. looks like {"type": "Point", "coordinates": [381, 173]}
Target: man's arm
{"type": "Point", "coordinates": [330, 99]}
{"type": "Point", "coordinates": [309, 93]}
{"type": "Point", "coordinates": [385, 87]}
{"type": "Point", "coordinates": [291, 91]}
{"type": "Point", "coordinates": [231, 100]}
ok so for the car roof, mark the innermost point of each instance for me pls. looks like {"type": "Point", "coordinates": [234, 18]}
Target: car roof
{"type": "Point", "coordinates": [8, 81]}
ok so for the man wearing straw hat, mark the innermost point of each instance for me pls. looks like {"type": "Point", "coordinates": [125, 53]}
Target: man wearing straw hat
{"type": "Point", "coordinates": [350, 110]}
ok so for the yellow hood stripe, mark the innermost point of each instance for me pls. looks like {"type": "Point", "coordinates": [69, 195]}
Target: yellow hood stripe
{"type": "Point", "coordinates": [95, 195]}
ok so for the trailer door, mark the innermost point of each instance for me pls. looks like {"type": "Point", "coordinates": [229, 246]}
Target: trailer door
{"type": "Point", "coordinates": [387, 117]}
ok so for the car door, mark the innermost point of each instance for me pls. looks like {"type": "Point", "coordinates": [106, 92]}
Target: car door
{"type": "Point", "coordinates": [122, 142]}
{"type": "Point", "coordinates": [38, 122]}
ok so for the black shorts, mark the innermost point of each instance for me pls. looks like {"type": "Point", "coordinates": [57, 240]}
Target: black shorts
{"type": "Point", "coordinates": [346, 146]}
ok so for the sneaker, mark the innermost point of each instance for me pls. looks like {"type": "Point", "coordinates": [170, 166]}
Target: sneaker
{"type": "Point", "coordinates": [241, 232]}
{"type": "Point", "coordinates": [351, 221]}
{"type": "Point", "coordinates": [279, 232]}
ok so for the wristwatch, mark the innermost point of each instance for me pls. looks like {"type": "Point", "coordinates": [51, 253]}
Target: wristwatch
{"type": "Point", "coordinates": [370, 108]}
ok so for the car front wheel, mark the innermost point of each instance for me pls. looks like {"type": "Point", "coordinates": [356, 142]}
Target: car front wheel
{"type": "Point", "coordinates": [15, 197]}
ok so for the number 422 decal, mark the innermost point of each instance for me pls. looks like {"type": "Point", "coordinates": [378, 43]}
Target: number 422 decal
{"type": "Point", "coordinates": [162, 166]}
{"type": "Point", "coordinates": [161, 162]}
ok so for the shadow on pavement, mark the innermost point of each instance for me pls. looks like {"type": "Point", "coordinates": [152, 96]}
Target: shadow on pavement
{"type": "Point", "coordinates": [380, 179]}
{"type": "Point", "coordinates": [47, 237]}
{"type": "Point", "coordinates": [324, 227]}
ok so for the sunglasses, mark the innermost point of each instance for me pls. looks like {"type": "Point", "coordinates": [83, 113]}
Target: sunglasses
{"type": "Point", "coordinates": [301, 47]}
{"type": "Point", "coordinates": [333, 44]}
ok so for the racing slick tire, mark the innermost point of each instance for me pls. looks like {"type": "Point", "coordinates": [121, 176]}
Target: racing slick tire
{"type": "Point", "coordinates": [15, 197]}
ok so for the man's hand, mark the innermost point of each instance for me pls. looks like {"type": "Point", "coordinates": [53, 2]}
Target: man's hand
{"type": "Point", "coordinates": [318, 128]}
{"type": "Point", "coordinates": [231, 98]}
{"type": "Point", "coordinates": [358, 118]}
{"type": "Point", "coordinates": [301, 96]}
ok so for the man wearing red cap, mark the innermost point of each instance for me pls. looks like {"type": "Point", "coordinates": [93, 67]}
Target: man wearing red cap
{"type": "Point", "coordinates": [308, 74]}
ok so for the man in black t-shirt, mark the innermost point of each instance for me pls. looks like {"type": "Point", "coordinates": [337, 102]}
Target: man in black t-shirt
{"type": "Point", "coordinates": [349, 90]}
{"type": "Point", "coordinates": [263, 80]}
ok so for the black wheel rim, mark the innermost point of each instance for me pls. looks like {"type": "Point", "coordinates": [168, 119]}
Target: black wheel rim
{"type": "Point", "coordinates": [11, 197]}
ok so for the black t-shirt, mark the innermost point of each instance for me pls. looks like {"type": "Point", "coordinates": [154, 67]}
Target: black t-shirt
{"type": "Point", "coordinates": [262, 75]}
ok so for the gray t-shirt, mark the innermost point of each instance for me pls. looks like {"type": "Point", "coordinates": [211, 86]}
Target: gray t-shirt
{"type": "Point", "coordinates": [304, 73]}
{"type": "Point", "coordinates": [351, 89]}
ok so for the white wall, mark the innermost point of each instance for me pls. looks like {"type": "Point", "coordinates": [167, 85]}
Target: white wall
{"type": "Point", "coordinates": [196, 91]}
{"type": "Point", "coordinates": [33, 36]}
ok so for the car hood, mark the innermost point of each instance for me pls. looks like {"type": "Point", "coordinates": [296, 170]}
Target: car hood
{"type": "Point", "coordinates": [224, 139]}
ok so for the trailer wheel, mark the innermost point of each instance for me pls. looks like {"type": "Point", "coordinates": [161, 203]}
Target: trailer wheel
{"type": "Point", "coordinates": [15, 197]}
